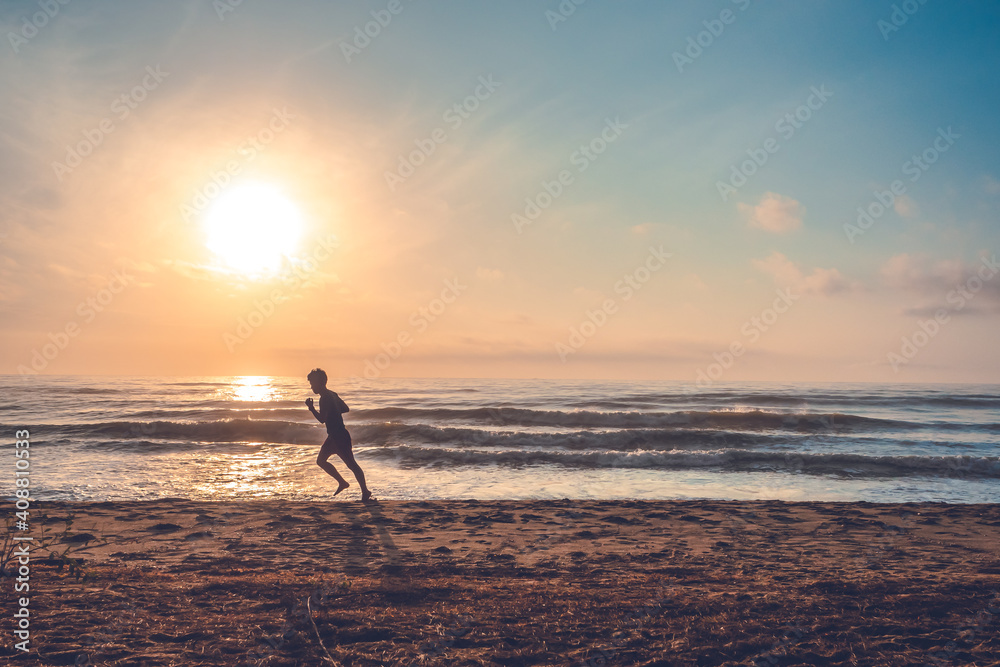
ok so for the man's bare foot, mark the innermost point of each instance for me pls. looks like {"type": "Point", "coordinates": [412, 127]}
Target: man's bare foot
{"type": "Point", "coordinates": [366, 496]}
{"type": "Point", "coordinates": [341, 487]}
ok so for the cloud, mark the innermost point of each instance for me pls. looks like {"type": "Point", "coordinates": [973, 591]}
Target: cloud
{"type": "Point", "coordinates": [920, 273]}
{"type": "Point", "coordinates": [775, 213]}
{"type": "Point", "coordinates": [944, 283]}
{"type": "Point", "coordinates": [642, 229]}
{"type": "Point", "coordinates": [787, 273]}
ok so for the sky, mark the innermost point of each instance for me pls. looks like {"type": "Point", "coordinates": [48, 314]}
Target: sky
{"type": "Point", "coordinates": [697, 191]}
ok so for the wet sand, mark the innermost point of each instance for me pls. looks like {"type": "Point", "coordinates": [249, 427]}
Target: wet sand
{"type": "Point", "coordinates": [177, 582]}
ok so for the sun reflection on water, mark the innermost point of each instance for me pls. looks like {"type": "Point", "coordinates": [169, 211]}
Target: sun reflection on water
{"type": "Point", "coordinates": [256, 474]}
{"type": "Point", "coordinates": [255, 388]}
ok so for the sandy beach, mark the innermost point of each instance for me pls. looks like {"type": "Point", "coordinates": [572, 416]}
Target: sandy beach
{"type": "Point", "coordinates": [178, 582]}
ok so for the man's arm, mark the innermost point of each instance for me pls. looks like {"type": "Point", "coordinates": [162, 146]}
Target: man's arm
{"type": "Point", "coordinates": [319, 415]}
{"type": "Point", "coordinates": [341, 406]}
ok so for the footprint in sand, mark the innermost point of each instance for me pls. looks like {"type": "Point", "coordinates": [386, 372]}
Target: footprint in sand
{"type": "Point", "coordinates": [164, 528]}
{"type": "Point", "coordinates": [200, 535]}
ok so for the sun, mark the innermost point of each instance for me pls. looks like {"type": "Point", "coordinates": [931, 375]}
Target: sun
{"type": "Point", "coordinates": [252, 226]}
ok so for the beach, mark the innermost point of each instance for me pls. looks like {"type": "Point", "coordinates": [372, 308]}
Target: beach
{"type": "Point", "coordinates": [530, 582]}
{"type": "Point", "coordinates": [184, 521]}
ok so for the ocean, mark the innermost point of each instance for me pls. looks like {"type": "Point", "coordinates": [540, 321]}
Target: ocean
{"type": "Point", "coordinates": [221, 438]}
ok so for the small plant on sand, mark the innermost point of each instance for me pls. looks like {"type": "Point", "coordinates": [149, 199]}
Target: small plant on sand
{"type": "Point", "coordinates": [7, 545]}
{"type": "Point", "coordinates": [50, 539]}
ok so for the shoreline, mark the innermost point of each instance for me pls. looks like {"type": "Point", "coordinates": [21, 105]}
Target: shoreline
{"type": "Point", "coordinates": [685, 582]}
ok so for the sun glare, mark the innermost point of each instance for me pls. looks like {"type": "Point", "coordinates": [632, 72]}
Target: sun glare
{"type": "Point", "coordinates": [252, 226]}
{"type": "Point", "coordinates": [252, 388]}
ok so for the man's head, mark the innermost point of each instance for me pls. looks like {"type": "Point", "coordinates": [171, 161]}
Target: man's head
{"type": "Point", "coordinates": [317, 379]}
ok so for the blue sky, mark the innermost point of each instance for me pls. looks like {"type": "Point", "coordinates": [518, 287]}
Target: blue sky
{"type": "Point", "coordinates": [655, 185]}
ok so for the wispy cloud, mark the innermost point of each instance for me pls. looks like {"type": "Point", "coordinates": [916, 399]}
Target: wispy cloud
{"type": "Point", "coordinates": [787, 273]}
{"type": "Point", "coordinates": [944, 283]}
{"type": "Point", "coordinates": [774, 213]}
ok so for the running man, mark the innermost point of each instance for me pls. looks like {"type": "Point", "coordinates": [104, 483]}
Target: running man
{"type": "Point", "coordinates": [338, 440]}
